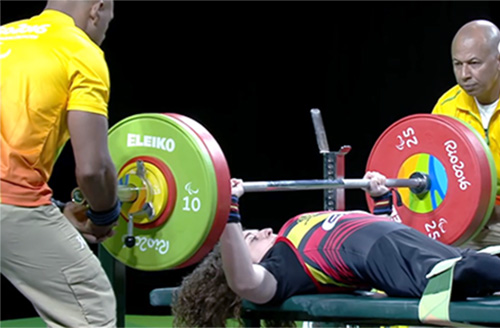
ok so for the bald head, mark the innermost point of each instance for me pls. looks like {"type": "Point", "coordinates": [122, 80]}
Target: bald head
{"type": "Point", "coordinates": [60, 4]}
{"type": "Point", "coordinates": [475, 52]}
{"type": "Point", "coordinates": [92, 16]}
{"type": "Point", "coordinates": [480, 32]}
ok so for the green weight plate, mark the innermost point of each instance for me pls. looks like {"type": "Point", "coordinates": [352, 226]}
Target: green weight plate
{"type": "Point", "coordinates": [170, 245]}
{"type": "Point", "coordinates": [223, 177]}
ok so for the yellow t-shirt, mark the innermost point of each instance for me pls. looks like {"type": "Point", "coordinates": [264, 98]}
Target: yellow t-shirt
{"type": "Point", "coordinates": [457, 103]}
{"type": "Point", "coordinates": [47, 66]}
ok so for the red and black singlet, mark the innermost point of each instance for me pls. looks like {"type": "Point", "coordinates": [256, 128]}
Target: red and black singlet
{"type": "Point", "coordinates": [339, 252]}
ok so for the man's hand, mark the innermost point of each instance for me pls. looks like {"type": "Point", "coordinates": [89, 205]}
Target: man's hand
{"type": "Point", "coordinates": [94, 234]}
{"type": "Point", "coordinates": [377, 184]}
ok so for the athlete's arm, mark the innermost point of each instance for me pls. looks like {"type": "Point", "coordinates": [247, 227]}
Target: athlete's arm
{"type": "Point", "coordinates": [248, 280]}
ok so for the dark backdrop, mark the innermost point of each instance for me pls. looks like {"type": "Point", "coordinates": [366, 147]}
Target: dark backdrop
{"type": "Point", "coordinates": [251, 71]}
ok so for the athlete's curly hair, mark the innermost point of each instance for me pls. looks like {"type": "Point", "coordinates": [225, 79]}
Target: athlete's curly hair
{"type": "Point", "coordinates": [204, 298]}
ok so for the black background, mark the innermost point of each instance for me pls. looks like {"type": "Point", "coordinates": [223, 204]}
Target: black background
{"type": "Point", "coordinates": [251, 71]}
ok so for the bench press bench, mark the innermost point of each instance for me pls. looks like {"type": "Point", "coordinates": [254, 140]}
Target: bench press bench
{"type": "Point", "coordinates": [364, 308]}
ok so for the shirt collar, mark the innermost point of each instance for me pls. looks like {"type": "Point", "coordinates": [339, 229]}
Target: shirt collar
{"type": "Point", "coordinates": [466, 102]}
{"type": "Point", "coordinates": [58, 16]}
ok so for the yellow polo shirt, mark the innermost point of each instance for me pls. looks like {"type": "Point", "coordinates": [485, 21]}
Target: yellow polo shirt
{"type": "Point", "coordinates": [47, 67]}
{"type": "Point", "coordinates": [457, 103]}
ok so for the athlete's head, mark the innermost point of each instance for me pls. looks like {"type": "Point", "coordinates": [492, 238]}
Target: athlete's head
{"type": "Point", "coordinates": [259, 242]}
{"type": "Point", "coordinates": [204, 298]}
{"type": "Point", "coordinates": [92, 16]}
{"type": "Point", "coordinates": [476, 60]}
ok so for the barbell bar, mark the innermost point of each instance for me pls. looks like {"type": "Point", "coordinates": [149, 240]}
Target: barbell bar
{"type": "Point", "coordinates": [430, 156]}
{"type": "Point", "coordinates": [126, 193]}
{"type": "Point", "coordinates": [418, 185]}
{"type": "Point", "coordinates": [130, 193]}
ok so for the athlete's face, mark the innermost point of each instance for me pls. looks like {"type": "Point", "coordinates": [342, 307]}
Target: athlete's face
{"type": "Point", "coordinates": [259, 242]}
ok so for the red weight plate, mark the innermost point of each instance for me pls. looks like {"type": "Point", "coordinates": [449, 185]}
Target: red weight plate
{"type": "Point", "coordinates": [223, 176]}
{"type": "Point", "coordinates": [459, 167]}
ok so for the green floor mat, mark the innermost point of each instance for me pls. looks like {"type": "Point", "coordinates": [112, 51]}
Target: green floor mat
{"type": "Point", "coordinates": [27, 322]}
{"type": "Point", "coordinates": [130, 321]}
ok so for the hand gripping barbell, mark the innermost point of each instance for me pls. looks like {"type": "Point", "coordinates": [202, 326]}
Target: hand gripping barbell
{"type": "Point", "coordinates": [174, 183]}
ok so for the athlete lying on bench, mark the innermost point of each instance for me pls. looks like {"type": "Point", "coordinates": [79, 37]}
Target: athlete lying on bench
{"type": "Point", "coordinates": [323, 252]}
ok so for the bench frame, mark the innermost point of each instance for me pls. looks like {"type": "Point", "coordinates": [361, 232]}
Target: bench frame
{"type": "Point", "coordinates": [361, 308]}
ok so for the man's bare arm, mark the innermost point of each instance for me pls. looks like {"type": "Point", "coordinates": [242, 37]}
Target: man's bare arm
{"type": "Point", "coordinates": [95, 171]}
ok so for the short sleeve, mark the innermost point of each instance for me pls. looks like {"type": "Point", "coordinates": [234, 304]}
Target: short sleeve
{"type": "Point", "coordinates": [90, 85]}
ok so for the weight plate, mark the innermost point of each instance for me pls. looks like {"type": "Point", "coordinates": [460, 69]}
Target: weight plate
{"type": "Point", "coordinates": [174, 243]}
{"type": "Point", "coordinates": [460, 168]}
{"type": "Point", "coordinates": [223, 177]}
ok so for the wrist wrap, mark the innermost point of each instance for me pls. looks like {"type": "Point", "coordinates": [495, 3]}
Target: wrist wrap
{"type": "Point", "coordinates": [383, 204]}
{"type": "Point", "coordinates": [234, 213]}
{"type": "Point", "coordinates": [106, 217]}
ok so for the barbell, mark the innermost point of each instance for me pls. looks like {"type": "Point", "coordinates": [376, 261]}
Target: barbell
{"type": "Point", "coordinates": [174, 182]}
{"type": "Point", "coordinates": [419, 184]}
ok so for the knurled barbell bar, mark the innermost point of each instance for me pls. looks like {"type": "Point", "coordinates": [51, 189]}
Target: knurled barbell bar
{"type": "Point", "coordinates": [175, 181]}
{"type": "Point", "coordinates": [419, 184]}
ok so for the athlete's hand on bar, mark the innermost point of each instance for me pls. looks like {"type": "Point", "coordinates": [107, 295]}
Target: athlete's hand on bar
{"type": "Point", "coordinates": [377, 184]}
{"type": "Point", "coordinates": [237, 187]}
